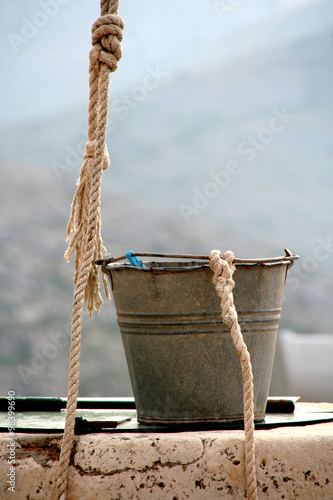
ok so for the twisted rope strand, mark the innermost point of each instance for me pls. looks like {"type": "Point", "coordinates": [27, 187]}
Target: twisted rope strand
{"type": "Point", "coordinates": [109, 7]}
{"type": "Point", "coordinates": [223, 269]}
{"type": "Point", "coordinates": [106, 51]}
{"type": "Point", "coordinates": [84, 226]}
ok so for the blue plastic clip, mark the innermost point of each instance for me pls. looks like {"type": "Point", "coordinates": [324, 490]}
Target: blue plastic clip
{"type": "Point", "coordinates": [133, 259]}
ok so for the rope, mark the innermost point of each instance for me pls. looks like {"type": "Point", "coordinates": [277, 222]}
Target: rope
{"type": "Point", "coordinates": [223, 269]}
{"type": "Point", "coordinates": [84, 226]}
{"type": "Point", "coordinates": [84, 236]}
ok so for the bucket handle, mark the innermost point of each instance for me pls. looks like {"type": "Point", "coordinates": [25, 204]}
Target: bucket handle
{"type": "Point", "coordinates": [288, 257]}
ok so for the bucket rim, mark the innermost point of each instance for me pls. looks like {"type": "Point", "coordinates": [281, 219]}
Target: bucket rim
{"type": "Point", "coordinates": [113, 263]}
{"type": "Point", "coordinates": [163, 267]}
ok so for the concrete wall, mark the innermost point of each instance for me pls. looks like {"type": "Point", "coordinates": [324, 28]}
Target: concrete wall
{"type": "Point", "coordinates": [292, 462]}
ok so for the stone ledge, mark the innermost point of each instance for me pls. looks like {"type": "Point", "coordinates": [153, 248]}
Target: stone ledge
{"type": "Point", "coordinates": [292, 462]}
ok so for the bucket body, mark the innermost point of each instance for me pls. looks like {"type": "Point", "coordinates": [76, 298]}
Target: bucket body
{"type": "Point", "coordinates": [182, 362]}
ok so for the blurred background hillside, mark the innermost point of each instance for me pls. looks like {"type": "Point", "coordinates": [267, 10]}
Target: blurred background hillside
{"type": "Point", "coordinates": [220, 135]}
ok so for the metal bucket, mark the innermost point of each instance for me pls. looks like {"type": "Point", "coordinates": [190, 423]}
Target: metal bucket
{"type": "Point", "coordinates": [183, 365]}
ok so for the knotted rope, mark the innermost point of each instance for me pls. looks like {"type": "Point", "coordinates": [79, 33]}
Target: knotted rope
{"type": "Point", "coordinates": [84, 227]}
{"type": "Point", "coordinates": [223, 269]}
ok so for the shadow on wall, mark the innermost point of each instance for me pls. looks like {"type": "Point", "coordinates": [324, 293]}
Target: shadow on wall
{"type": "Point", "coordinates": [303, 366]}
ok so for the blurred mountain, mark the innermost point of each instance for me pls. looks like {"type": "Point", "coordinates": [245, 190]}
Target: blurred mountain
{"type": "Point", "coordinates": [232, 154]}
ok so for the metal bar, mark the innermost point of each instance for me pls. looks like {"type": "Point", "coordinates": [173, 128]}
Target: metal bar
{"type": "Point", "coordinates": [84, 426]}
{"type": "Point", "coordinates": [34, 404]}
{"type": "Point", "coordinates": [57, 404]}
{"type": "Point", "coordinates": [274, 405]}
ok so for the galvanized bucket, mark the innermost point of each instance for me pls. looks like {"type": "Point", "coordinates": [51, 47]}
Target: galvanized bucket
{"type": "Point", "coordinates": [182, 363]}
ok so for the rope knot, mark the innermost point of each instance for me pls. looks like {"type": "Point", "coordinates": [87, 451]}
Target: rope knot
{"type": "Point", "coordinates": [215, 263]}
{"type": "Point", "coordinates": [107, 33]}
{"type": "Point", "coordinates": [229, 257]}
{"type": "Point", "coordinates": [89, 152]}
{"type": "Point", "coordinates": [222, 267]}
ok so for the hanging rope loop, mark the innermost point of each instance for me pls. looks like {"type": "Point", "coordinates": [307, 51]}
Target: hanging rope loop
{"type": "Point", "coordinates": [107, 34]}
{"type": "Point", "coordinates": [223, 269]}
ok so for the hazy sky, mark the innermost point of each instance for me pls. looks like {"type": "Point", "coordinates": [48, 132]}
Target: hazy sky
{"type": "Point", "coordinates": [45, 43]}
